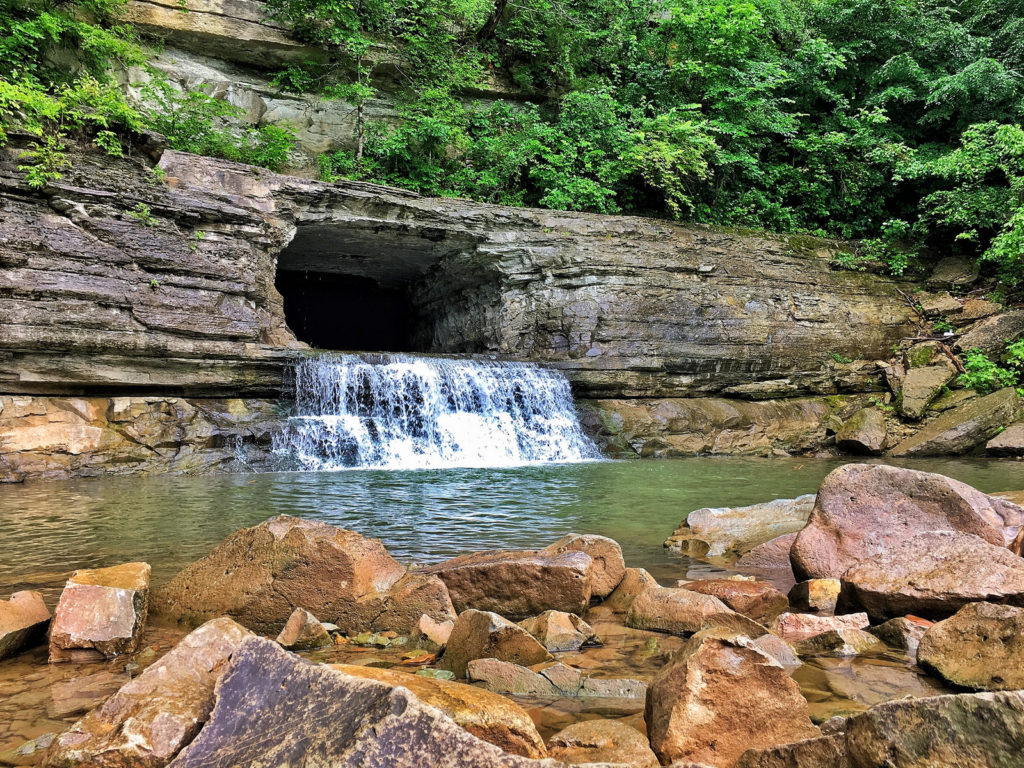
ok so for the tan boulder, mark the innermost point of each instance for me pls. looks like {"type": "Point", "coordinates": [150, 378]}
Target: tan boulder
{"type": "Point", "coordinates": [101, 613]}
{"type": "Point", "coordinates": [486, 715]}
{"type": "Point", "coordinates": [517, 584]}
{"type": "Point", "coordinates": [963, 428]}
{"type": "Point", "coordinates": [864, 433]}
{"type": "Point", "coordinates": [260, 575]}
{"type": "Point", "coordinates": [981, 647]}
{"type": "Point", "coordinates": [602, 741]}
{"type": "Point", "coordinates": [826, 751]}
{"type": "Point", "coordinates": [863, 510]}
{"type": "Point", "coordinates": [794, 627]}
{"type": "Point", "coordinates": [933, 575]}
{"type": "Point", "coordinates": [303, 632]}
{"type": "Point", "coordinates": [839, 643]}
{"type": "Point", "coordinates": [1017, 545]}
{"type": "Point", "coordinates": [757, 600]}
{"type": "Point", "coordinates": [718, 698]}
{"type": "Point", "coordinates": [430, 635]}
{"type": "Point", "coordinates": [608, 568]}
{"type": "Point", "coordinates": [151, 718]}
{"type": "Point", "coordinates": [816, 595]}
{"type": "Point", "coordinates": [635, 581]}
{"type": "Point", "coordinates": [559, 631]}
{"type": "Point", "coordinates": [506, 677]}
{"type": "Point", "coordinates": [683, 611]}
{"type": "Point", "coordinates": [922, 385]}
{"type": "Point", "coordinates": [23, 621]}
{"type": "Point", "coordinates": [486, 635]}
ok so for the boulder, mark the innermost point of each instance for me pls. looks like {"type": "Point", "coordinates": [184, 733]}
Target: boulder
{"type": "Point", "coordinates": [953, 272]}
{"type": "Point", "coordinates": [552, 681]}
{"type": "Point", "coordinates": [486, 635]}
{"type": "Point", "coordinates": [993, 334]}
{"type": "Point", "coordinates": [430, 635]}
{"type": "Point", "coordinates": [863, 510]}
{"type": "Point", "coordinates": [816, 596]}
{"type": "Point", "coordinates": [151, 718]}
{"type": "Point", "coordinates": [903, 633]}
{"type": "Point", "coordinates": [682, 611]}
{"type": "Point", "coordinates": [719, 697]}
{"type": "Point", "coordinates": [770, 560]}
{"type": "Point", "coordinates": [826, 751]}
{"type": "Point", "coordinates": [973, 730]}
{"type": "Point", "coordinates": [101, 613]}
{"type": "Point", "coordinates": [724, 530]}
{"type": "Point", "coordinates": [558, 631]}
{"type": "Point", "coordinates": [964, 428]}
{"type": "Point", "coordinates": [981, 646]}
{"type": "Point", "coordinates": [23, 621]}
{"type": "Point", "coordinates": [303, 632]}
{"type": "Point", "coordinates": [273, 709]}
{"type": "Point", "coordinates": [1009, 442]}
{"type": "Point", "coordinates": [260, 575]}
{"type": "Point", "coordinates": [635, 581]}
{"type": "Point", "coordinates": [486, 715]}
{"type": "Point", "coordinates": [778, 649]}
{"type": "Point", "coordinates": [794, 627]}
{"type": "Point", "coordinates": [922, 385]}
{"type": "Point", "coordinates": [518, 584]}
{"type": "Point", "coordinates": [933, 575]}
{"type": "Point", "coordinates": [608, 568]}
{"type": "Point", "coordinates": [602, 741]}
{"type": "Point", "coordinates": [864, 433]}
{"type": "Point", "coordinates": [839, 643]}
{"type": "Point", "coordinates": [756, 600]}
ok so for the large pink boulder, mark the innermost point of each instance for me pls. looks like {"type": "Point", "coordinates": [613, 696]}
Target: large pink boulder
{"type": "Point", "coordinates": [608, 567]}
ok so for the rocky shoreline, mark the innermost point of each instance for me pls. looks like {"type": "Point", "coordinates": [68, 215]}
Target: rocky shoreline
{"type": "Point", "coordinates": [295, 640]}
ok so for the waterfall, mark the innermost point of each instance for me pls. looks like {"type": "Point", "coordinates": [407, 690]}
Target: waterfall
{"type": "Point", "coordinates": [406, 412]}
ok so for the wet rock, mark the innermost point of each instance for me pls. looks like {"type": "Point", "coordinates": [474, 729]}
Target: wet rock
{"type": "Point", "coordinates": [602, 741]}
{"type": "Point", "coordinates": [303, 632]}
{"type": "Point", "coordinates": [260, 575]}
{"type": "Point", "coordinates": [505, 677]}
{"type": "Point", "coordinates": [770, 560]}
{"type": "Point", "coordinates": [635, 581]}
{"type": "Point", "coordinates": [518, 584]}
{"type": "Point", "coordinates": [552, 681]}
{"type": "Point", "coordinates": [965, 427]}
{"type": "Point", "coordinates": [101, 613]}
{"type": "Point", "coordinates": [779, 650]}
{"type": "Point", "coordinates": [863, 510]}
{"type": "Point", "coordinates": [718, 698]}
{"type": "Point", "coordinates": [608, 568]}
{"type": "Point", "coordinates": [738, 529]}
{"type": "Point", "coordinates": [558, 631]}
{"type": "Point", "coordinates": [150, 719]}
{"type": "Point", "coordinates": [431, 635]}
{"type": "Point", "coordinates": [864, 433]}
{"type": "Point", "coordinates": [981, 646]}
{"type": "Point", "coordinates": [975, 730]}
{"type": "Point", "coordinates": [612, 688]}
{"type": "Point", "coordinates": [80, 694]}
{"type": "Point", "coordinates": [1009, 442]}
{"type": "Point", "coordinates": [992, 335]}
{"type": "Point", "coordinates": [486, 715]}
{"type": "Point", "coordinates": [486, 635]}
{"type": "Point", "coordinates": [756, 600]}
{"type": "Point", "coordinates": [794, 627]}
{"type": "Point", "coordinates": [921, 386]}
{"type": "Point", "coordinates": [839, 643]}
{"type": "Point", "coordinates": [23, 621]}
{"type": "Point", "coordinates": [903, 632]}
{"type": "Point", "coordinates": [275, 709]}
{"type": "Point", "coordinates": [816, 596]}
{"type": "Point", "coordinates": [826, 751]}
{"type": "Point", "coordinates": [682, 611]}
{"type": "Point", "coordinates": [933, 575]}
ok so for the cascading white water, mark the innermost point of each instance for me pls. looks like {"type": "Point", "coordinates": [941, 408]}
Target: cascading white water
{"type": "Point", "coordinates": [405, 412]}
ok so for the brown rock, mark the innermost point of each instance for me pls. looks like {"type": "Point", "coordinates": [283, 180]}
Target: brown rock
{"type": "Point", "coordinates": [903, 632]}
{"type": "Point", "coordinates": [981, 646]}
{"type": "Point", "coordinates": [80, 694]}
{"type": "Point", "coordinates": [635, 581]}
{"type": "Point", "coordinates": [771, 561]}
{"type": "Point", "coordinates": [101, 612]}
{"type": "Point", "coordinates": [778, 649]}
{"type": "Point", "coordinates": [816, 595]}
{"type": "Point", "coordinates": [756, 600]}
{"type": "Point", "coordinates": [303, 632]}
{"type": "Point", "coordinates": [921, 386]}
{"type": "Point", "coordinates": [965, 427]}
{"type": "Point", "coordinates": [1017, 545]}
{"type": "Point", "coordinates": [992, 335]}
{"type": "Point", "coordinates": [558, 631]}
{"type": "Point", "coordinates": [150, 719]}
{"type": "Point", "coordinates": [826, 751]}
{"type": "Point", "coordinates": [602, 741]}
{"type": "Point", "coordinates": [517, 584]}
{"type": "Point", "coordinates": [608, 568]}
{"type": "Point", "coordinates": [23, 621]}
{"type": "Point", "coordinates": [506, 677]}
{"type": "Point", "coordinates": [682, 611]}
{"type": "Point", "coordinates": [720, 697]}
{"type": "Point", "coordinates": [1009, 442]}
{"type": "Point", "coordinates": [794, 627]}
{"type": "Point", "coordinates": [933, 575]}
{"type": "Point", "coordinates": [260, 575]}
{"type": "Point", "coordinates": [431, 635]}
{"type": "Point", "coordinates": [486, 715]}
{"type": "Point", "coordinates": [486, 635]}
{"type": "Point", "coordinates": [864, 433]}
{"type": "Point", "coordinates": [863, 510]}
{"type": "Point", "coordinates": [839, 643]}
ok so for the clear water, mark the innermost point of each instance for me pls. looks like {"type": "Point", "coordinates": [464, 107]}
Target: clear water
{"type": "Point", "coordinates": [404, 412]}
{"type": "Point", "coordinates": [50, 528]}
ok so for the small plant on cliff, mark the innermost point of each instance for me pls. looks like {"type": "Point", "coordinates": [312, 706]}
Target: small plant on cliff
{"type": "Point", "coordinates": [142, 214]}
{"type": "Point", "coordinates": [985, 375]}
{"type": "Point", "coordinates": [196, 239]}
{"type": "Point", "coordinates": [44, 163]}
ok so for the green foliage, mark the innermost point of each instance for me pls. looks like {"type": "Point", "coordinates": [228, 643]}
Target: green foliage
{"type": "Point", "coordinates": [142, 214]}
{"type": "Point", "coordinates": [986, 375]}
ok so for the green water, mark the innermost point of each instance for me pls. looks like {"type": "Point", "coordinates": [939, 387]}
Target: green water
{"type": "Point", "coordinates": [50, 528]}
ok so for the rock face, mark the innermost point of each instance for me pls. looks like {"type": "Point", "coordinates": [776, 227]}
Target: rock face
{"type": "Point", "coordinates": [485, 635]}
{"type": "Point", "coordinates": [259, 576]}
{"type": "Point", "coordinates": [863, 433]}
{"type": "Point", "coordinates": [980, 647]}
{"type": "Point", "coordinates": [681, 611]}
{"type": "Point", "coordinates": [518, 584]}
{"type": "Point", "coordinates": [602, 741]}
{"type": "Point", "coordinates": [608, 567]}
{"type": "Point", "coordinates": [725, 530]}
{"type": "Point", "coordinates": [720, 697]}
{"type": "Point", "coordinates": [559, 631]}
{"type": "Point", "coordinates": [772, 557]}
{"type": "Point", "coordinates": [23, 621]}
{"type": "Point", "coordinates": [964, 428]}
{"type": "Point", "coordinates": [933, 575]}
{"type": "Point", "coordinates": [756, 600]}
{"type": "Point", "coordinates": [101, 613]}
{"type": "Point", "coordinates": [863, 510]}
{"type": "Point", "coordinates": [151, 718]}
{"type": "Point", "coordinates": [486, 715]}
{"type": "Point", "coordinates": [303, 632]}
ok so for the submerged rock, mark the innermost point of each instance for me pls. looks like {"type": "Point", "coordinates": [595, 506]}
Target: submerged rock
{"type": "Point", "coordinates": [558, 631]}
{"type": "Point", "coordinates": [303, 632]}
{"type": "Point", "coordinates": [23, 621]}
{"type": "Point", "coordinates": [756, 600]}
{"type": "Point", "coordinates": [965, 427]}
{"type": "Point", "coordinates": [602, 741]}
{"type": "Point", "coordinates": [738, 529]}
{"type": "Point", "coordinates": [981, 646]}
{"type": "Point", "coordinates": [608, 567]}
{"type": "Point", "coordinates": [682, 611]}
{"type": "Point", "coordinates": [486, 635]}
{"type": "Point", "coordinates": [101, 613]}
